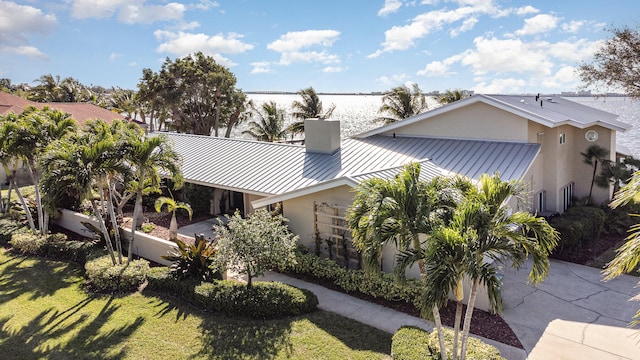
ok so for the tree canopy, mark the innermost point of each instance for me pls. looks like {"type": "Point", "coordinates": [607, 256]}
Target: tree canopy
{"type": "Point", "coordinates": [402, 102]}
{"type": "Point", "coordinates": [198, 93]}
{"type": "Point", "coordinates": [616, 64]}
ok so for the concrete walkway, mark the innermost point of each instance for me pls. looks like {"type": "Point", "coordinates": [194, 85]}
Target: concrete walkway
{"type": "Point", "coordinates": [573, 314]}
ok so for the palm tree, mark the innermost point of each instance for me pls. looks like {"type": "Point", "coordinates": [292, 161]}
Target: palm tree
{"type": "Point", "coordinates": [451, 96]}
{"type": "Point", "coordinates": [401, 103]}
{"type": "Point", "coordinates": [269, 127]}
{"type": "Point", "coordinates": [172, 206]}
{"type": "Point", "coordinates": [148, 157]}
{"type": "Point", "coordinates": [592, 156]}
{"type": "Point", "coordinates": [628, 255]}
{"type": "Point", "coordinates": [483, 234]}
{"type": "Point", "coordinates": [310, 107]}
{"type": "Point", "coordinates": [399, 211]}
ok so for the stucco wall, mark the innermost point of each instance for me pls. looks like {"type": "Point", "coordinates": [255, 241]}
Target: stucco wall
{"type": "Point", "coordinates": [476, 121]}
{"type": "Point", "coordinates": [248, 198]}
{"type": "Point", "coordinates": [584, 172]}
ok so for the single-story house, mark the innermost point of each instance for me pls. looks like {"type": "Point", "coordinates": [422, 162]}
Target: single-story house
{"type": "Point", "coordinates": [534, 139]}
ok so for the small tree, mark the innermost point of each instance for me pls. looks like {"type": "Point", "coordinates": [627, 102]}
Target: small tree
{"type": "Point", "coordinates": [249, 246]}
{"type": "Point", "coordinates": [592, 156]}
{"type": "Point", "coordinates": [172, 207]}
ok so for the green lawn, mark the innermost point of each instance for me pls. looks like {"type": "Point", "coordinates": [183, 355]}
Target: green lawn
{"type": "Point", "coordinates": [46, 313]}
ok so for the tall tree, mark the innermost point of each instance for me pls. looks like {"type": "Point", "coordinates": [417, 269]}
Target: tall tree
{"type": "Point", "coordinates": [401, 103]}
{"type": "Point", "coordinates": [595, 154]}
{"type": "Point", "coordinates": [451, 96]}
{"type": "Point", "coordinates": [616, 64]}
{"type": "Point", "coordinates": [269, 126]}
{"type": "Point", "coordinates": [52, 89]}
{"type": "Point", "coordinates": [310, 107]}
{"type": "Point", "coordinates": [627, 257]}
{"type": "Point", "coordinates": [483, 234]}
{"type": "Point", "coordinates": [399, 211]}
{"type": "Point", "coordinates": [195, 89]}
{"type": "Point", "coordinates": [149, 157]}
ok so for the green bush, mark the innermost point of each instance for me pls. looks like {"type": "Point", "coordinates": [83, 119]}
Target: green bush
{"type": "Point", "coordinates": [386, 286]}
{"type": "Point", "coordinates": [413, 343]}
{"type": "Point", "coordinates": [199, 197]}
{"type": "Point", "coordinates": [263, 300]}
{"type": "Point", "coordinates": [54, 246]}
{"type": "Point", "coordinates": [8, 227]}
{"type": "Point", "coordinates": [578, 225]}
{"type": "Point", "coordinates": [119, 278]}
{"type": "Point", "coordinates": [194, 260]}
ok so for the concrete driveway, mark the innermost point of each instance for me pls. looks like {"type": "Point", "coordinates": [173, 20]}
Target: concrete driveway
{"type": "Point", "coordinates": [573, 314]}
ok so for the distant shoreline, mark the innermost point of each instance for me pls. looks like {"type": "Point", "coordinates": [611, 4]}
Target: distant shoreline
{"type": "Point", "coordinates": [380, 93]}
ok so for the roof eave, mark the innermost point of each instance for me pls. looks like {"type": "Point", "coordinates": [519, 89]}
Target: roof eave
{"type": "Point", "coordinates": [325, 185]}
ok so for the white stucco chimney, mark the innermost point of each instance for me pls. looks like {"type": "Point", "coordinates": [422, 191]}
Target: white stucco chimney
{"type": "Point", "coordinates": [322, 136]}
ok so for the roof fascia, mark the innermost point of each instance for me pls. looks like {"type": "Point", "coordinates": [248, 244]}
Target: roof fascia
{"type": "Point", "coordinates": [325, 185]}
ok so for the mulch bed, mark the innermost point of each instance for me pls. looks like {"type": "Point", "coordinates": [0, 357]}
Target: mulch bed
{"type": "Point", "coordinates": [482, 324]}
{"type": "Point", "coordinates": [589, 251]}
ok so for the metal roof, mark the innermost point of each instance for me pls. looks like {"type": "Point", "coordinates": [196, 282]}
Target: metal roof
{"type": "Point", "coordinates": [271, 169]}
{"type": "Point", "coordinates": [555, 111]}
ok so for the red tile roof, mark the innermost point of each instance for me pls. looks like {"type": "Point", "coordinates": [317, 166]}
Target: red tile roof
{"type": "Point", "coordinates": [81, 112]}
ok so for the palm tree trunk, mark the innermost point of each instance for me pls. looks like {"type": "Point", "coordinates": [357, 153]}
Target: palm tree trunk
{"type": "Point", "coordinates": [105, 232]}
{"type": "Point", "coordinates": [593, 180]}
{"type": "Point", "coordinates": [456, 329]}
{"type": "Point", "coordinates": [137, 208]}
{"type": "Point", "coordinates": [114, 223]}
{"type": "Point", "coordinates": [438, 321]}
{"type": "Point", "coordinates": [467, 319]}
{"type": "Point", "coordinates": [173, 227]}
{"type": "Point", "coordinates": [32, 226]}
{"type": "Point", "coordinates": [36, 179]}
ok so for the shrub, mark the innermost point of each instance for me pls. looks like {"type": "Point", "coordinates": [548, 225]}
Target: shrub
{"type": "Point", "coordinates": [52, 246]}
{"type": "Point", "coordinates": [578, 225]}
{"type": "Point", "coordinates": [147, 228]}
{"type": "Point", "coordinates": [199, 197]}
{"type": "Point", "coordinates": [118, 278]}
{"type": "Point", "coordinates": [193, 260]}
{"type": "Point", "coordinates": [8, 227]}
{"type": "Point", "coordinates": [411, 342]}
{"type": "Point", "coordinates": [264, 300]}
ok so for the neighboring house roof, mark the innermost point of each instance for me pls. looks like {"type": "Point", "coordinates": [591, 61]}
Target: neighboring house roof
{"type": "Point", "coordinates": [275, 169]}
{"type": "Point", "coordinates": [555, 111]}
{"type": "Point", "coordinates": [81, 112]}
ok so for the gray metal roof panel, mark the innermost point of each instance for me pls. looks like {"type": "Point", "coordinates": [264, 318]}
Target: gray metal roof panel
{"type": "Point", "coordinates": [268, 168]}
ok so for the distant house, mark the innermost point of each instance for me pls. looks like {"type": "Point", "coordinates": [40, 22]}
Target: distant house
{"type": "Point", "coordinates": [81, 112]}
{"type": "Point", "coordinates": [535, 139]}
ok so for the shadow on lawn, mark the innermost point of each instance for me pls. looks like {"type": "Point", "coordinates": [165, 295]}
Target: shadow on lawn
{"type": "Point", "coordinates": [86, 340]}
{"type": "Point", "coordinates": [39, 278]}
{"type": "Point", "coordinates": [230, 337]}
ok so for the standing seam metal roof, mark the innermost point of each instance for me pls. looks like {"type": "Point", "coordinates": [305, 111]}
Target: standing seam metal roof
{"type": "Point", "coordinates": [271, 169]}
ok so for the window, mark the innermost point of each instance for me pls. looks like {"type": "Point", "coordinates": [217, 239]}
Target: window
{"type": "Point", "coordinates": [567, 196]}
{"type": "Point", "coordinates": [541, 202]}
{"type": "Point", "coordinates": [563, 138]}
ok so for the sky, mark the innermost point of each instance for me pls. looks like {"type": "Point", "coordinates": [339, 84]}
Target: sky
{"type": "Point", "coordinates": [488, 46]}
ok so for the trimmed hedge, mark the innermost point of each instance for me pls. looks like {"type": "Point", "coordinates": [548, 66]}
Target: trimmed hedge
{"type": "Point", "coordinates": [264, 300]}
{"type": "Point", "coordinates": [578, 225]}
{"type": "Point", "coordinates": [413, 343]}
{"type": "Point", "coordinates": [385, 286]}
{"type": "Point", "coordinates": [118, 278]}
{"type": "Point", "coordinates": [54, 246]}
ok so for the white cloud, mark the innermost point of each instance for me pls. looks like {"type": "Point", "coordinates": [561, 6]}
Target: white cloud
{"type": "Point", "coordinates": [389, 7]}
{"type": "Point", "coordinates": [261, 67]}
{"type": "Point", "coordinates": [538, 24]}
{"type": "Point", "coordinates": [333, 69]}
{"type": "Point", "coordinates": [435, 68]}
{"type": "Point", "coordinates": [291, 46]}
{"type": "Point", "coordinates": [114, 56]}
{"type": "Point", "coordinates": [183, 43]}
{"type": "Point", "coordinates": [18, 23]}
{"type": "Point", "coordinates": [467, 25]}
{"type": "Point", "coordinates": [205, 5]}
{"type": "Point", "coordinates": [24, 50]}
{"type": "Point", "coordinates": [573, 26]}
{"type": "Point", "coordinates": [128, 11]}
{"type": "Point", "coordinates": [565, 78]}
{"type": "Point", "coordinates": [526, 10]}
{"type": "Point", "coordinates": [393, 80]}
{"type": "Point", "coordinates": [501, 86]}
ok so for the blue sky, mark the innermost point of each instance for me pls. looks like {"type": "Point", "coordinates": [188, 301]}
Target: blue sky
{"type": "Point", "coordinates": [489, 46]}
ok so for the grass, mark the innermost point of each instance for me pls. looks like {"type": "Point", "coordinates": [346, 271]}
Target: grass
{"type": "Point", "coordinates": [46, 313]}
